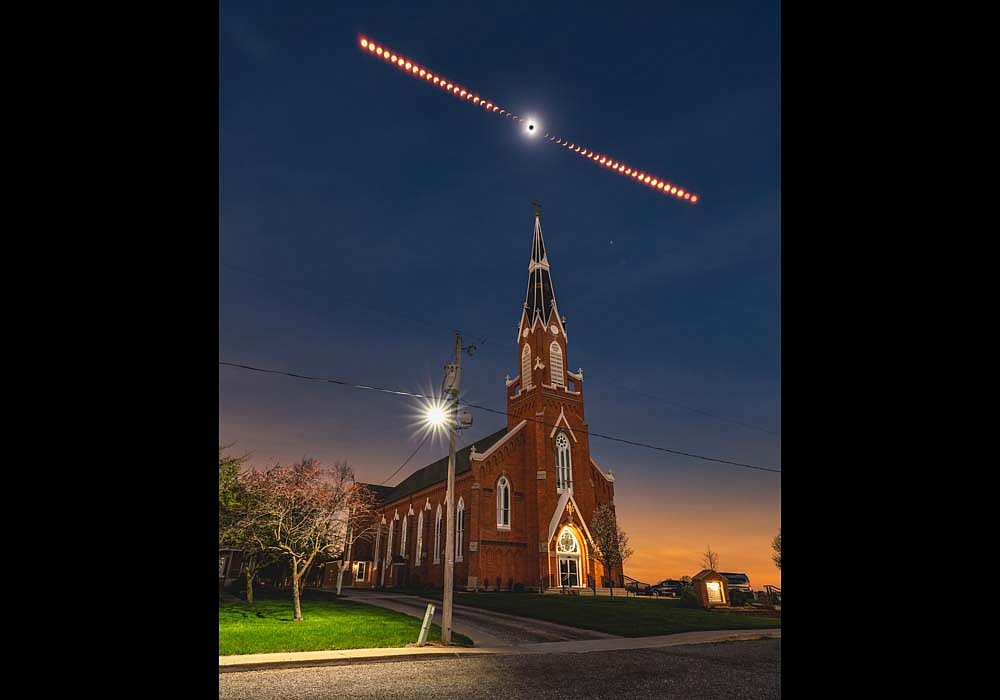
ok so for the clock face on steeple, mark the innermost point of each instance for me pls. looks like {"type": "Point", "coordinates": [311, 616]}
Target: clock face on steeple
{"type": "Point", "coordinates": [554, 329]}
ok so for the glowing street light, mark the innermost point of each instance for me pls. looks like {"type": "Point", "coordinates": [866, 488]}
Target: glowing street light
{"type": "Point", "coordinates": [436, 416]}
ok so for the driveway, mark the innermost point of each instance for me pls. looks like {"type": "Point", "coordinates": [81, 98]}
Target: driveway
{"type": "Point", "coordinates": [486, 628]}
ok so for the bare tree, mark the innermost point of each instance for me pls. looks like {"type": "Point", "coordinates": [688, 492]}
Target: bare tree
{"type": "Point", "coordinates": [302, 512]}
{"type": "Point", "coordinates": [360, 526]}
{"type": "Point", "coordinates": [710, 559]}
{"type": "Point", "coordinates": [612, 542]}
{"type": "Point", "coordinates": [776, 546]}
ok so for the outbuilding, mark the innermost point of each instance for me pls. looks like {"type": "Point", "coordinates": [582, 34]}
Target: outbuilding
{"type": "Point", "coordinates": [712, 588]}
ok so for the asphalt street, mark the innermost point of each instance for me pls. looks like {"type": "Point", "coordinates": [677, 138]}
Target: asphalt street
{"type": "Point", "coordinates": [732, 670]}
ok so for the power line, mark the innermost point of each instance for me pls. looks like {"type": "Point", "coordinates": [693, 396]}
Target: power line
{"type": "Point", "coordinates": [632, 442]}
{"type": "Point", "coordinates": [492, 352]}
{"type": "Point", "coordinates": [407, 459]}
{"type": "Point", "coordinates": [384, 390]}
{"type": "Point", "coordinates": [697, 410]}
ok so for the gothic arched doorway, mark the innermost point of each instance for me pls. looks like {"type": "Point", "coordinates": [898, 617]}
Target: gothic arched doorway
{"type": "Point", "coordinates": [568, 554]}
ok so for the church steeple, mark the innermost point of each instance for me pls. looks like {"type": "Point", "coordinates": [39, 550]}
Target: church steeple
{"type": "Point", "coordinates": [540, 299]}
{"type": "Point", "coordinates": [542, 350]}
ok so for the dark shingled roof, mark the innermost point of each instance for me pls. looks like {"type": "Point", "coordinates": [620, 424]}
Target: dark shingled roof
{"type": "Point", "coordinates": [380, 492]}
{"type": "Point", "coordinates": [438, 471]}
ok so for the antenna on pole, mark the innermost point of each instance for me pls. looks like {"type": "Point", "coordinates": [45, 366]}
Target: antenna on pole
{"type": "Point", "coordinates": [538, 207]}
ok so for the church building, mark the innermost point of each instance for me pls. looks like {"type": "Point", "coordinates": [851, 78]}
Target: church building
{"type": "Point", "coordinates": [524, 495]}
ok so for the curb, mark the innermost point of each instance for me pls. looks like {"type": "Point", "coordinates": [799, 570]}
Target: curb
{"type": "Point", "coordinates": [345, 657]}
{"type": "Point", "coordinates": [230, 664]}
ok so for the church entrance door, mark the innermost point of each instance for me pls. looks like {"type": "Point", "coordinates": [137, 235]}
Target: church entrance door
{"type": "Point", "coordinates": [568, 551]}
{"type": "Point", "coordinates": [569, 571]}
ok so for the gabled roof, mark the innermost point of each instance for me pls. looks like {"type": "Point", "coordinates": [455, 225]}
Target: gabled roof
{"type": "Point", "coordinates": [438, 471]}
{"type": "Point", "coordinates": [706, 573]}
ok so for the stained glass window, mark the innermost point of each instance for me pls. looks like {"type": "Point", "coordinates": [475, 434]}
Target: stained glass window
{"type": "Point", "coordinates": [567, 544]}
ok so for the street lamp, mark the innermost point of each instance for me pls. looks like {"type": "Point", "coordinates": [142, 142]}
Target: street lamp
{"type": "Point", "coordinates": [436, 416]}
{"type": "Point", "coordinates": [446, 416]}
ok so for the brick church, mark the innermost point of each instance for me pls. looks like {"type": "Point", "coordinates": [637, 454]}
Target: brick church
{"type": "Point", "coordinates": [524, 495]}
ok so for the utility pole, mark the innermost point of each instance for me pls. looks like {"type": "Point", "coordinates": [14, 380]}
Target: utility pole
{"type": "Point", "coordinates": [452, 381]}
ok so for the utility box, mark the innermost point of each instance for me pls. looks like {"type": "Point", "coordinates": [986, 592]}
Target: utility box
{"type": "Point", "coordinates": [712, 589]}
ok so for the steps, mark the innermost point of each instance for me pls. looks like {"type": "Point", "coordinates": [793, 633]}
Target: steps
{"type": "Point", "coordinates": [586, 592]}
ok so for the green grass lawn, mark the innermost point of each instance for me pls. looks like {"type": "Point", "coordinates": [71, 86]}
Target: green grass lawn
{"type": "Point", "coordinates": [628, 617]}
{"type": "Point", "coordinates": [329, 623]}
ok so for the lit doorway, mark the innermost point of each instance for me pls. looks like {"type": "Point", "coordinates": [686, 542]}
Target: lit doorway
{"type": "Point", "coordinates": [568, 551]}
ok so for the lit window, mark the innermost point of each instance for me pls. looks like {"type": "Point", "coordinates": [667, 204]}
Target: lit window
{"type": "Point", "coordinates": [503, 503]}
{"type": "Point", "coordinates": [714, 589]}
{"type": "Point", "coordinates": [564, 466]}
{"type": "Point", "coordinates": [437, 536]}
{"type": "Point", "coordinates": [388, 543]}
{"type": "Point", "coordinates": [420, 536]}
{"type": "Point", "coordinates": [567, 544]}
{"type": "Point", "coordinates": [362, 571]}
{"type": "Point", "coordinates": [556, 364]}
{"type": "Point", "coordinates": [402, 536]}
{"type": "Point", "coordinates": [459, 530]}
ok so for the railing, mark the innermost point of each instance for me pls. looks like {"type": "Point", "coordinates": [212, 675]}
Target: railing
{"type": "Point", "coordinates": [634, 586]}
{"type": "Point", "coordinates": [773, 595]}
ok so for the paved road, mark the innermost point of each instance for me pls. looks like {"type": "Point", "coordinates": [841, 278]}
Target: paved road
{"type": "Point", "coordinates": [748, 670]}
{"type": "Point", "coordinates": [486, 628]}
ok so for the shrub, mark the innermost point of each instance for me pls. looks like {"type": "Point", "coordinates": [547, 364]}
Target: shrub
{"type": "Point", "coordinates": [689, 598]}
{"type": "Point", "coordinates": [739, 598]}
{"type": "Point", "coordinates": [519, 587]}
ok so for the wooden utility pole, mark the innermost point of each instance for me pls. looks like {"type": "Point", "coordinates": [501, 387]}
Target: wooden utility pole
{"type": "Point", "coordinates": [452, 381]}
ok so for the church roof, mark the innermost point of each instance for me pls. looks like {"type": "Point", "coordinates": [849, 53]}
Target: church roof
{"type": "Point", "coordinates": [540, 297]}
{"type": "Point", "coordinates": [380, 492]}
{"type": "Point", "coordinates": [438, 471]}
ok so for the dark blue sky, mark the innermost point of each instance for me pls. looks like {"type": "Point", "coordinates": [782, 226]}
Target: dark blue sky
{"type": "Point", "coordinates": [366, 215]}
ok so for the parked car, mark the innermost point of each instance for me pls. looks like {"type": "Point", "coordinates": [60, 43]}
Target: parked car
{"type": "Point", "coordinates": [668, 587]}
{"type": "Point", "coordinates": [637, 588]}
{"type": "Point", "coordinates": [737, 582]}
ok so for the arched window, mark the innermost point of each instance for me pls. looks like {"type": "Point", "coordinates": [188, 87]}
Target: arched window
{"type": "Point", "coordinates": [564, 466]}
{"type": "Point", "coordinates": [526, 366]}
{"type": "Point", "coordinates": [437, 536]}
{"type": "Point", "coordinates": [378, 541]}
{"type": "Point", "coordinates": [420, 535]}
{"type": "Point", "coordinates": [503, 503]}
{"type": "Point", "coordinates": [388, 542]}
{"type": "Point", "coordinates": [567, 544]}
{"type": "Point", "coordinates": [402, 536]}
{"type": "Point", "coordinates": [459, 530]}
{"type": "Point", "coordinates": [556, 364]}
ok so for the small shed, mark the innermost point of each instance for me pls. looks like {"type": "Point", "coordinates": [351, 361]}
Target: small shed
{"type": "Point", "coordinates": [712, 588]}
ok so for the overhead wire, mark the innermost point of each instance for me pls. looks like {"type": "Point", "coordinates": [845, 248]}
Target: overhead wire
{"type": "Point", "coordinates": [481, 407]}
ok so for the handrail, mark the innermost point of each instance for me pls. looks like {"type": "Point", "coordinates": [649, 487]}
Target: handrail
{"type": "Point", "coordinates": [633, 586]}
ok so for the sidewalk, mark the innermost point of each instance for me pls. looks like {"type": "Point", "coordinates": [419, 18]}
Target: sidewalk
{"type": "Point", "coordinates": [248, 662]}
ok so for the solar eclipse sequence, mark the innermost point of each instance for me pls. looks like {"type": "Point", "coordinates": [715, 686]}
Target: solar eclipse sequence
{"type": "Point", "coordinates": [415, 70]}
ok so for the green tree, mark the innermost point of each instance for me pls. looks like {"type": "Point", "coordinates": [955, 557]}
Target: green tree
{"type": "Point", "coordinates": [612, 542]}
{"type": "Point", "coordinates": [240, 526]}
